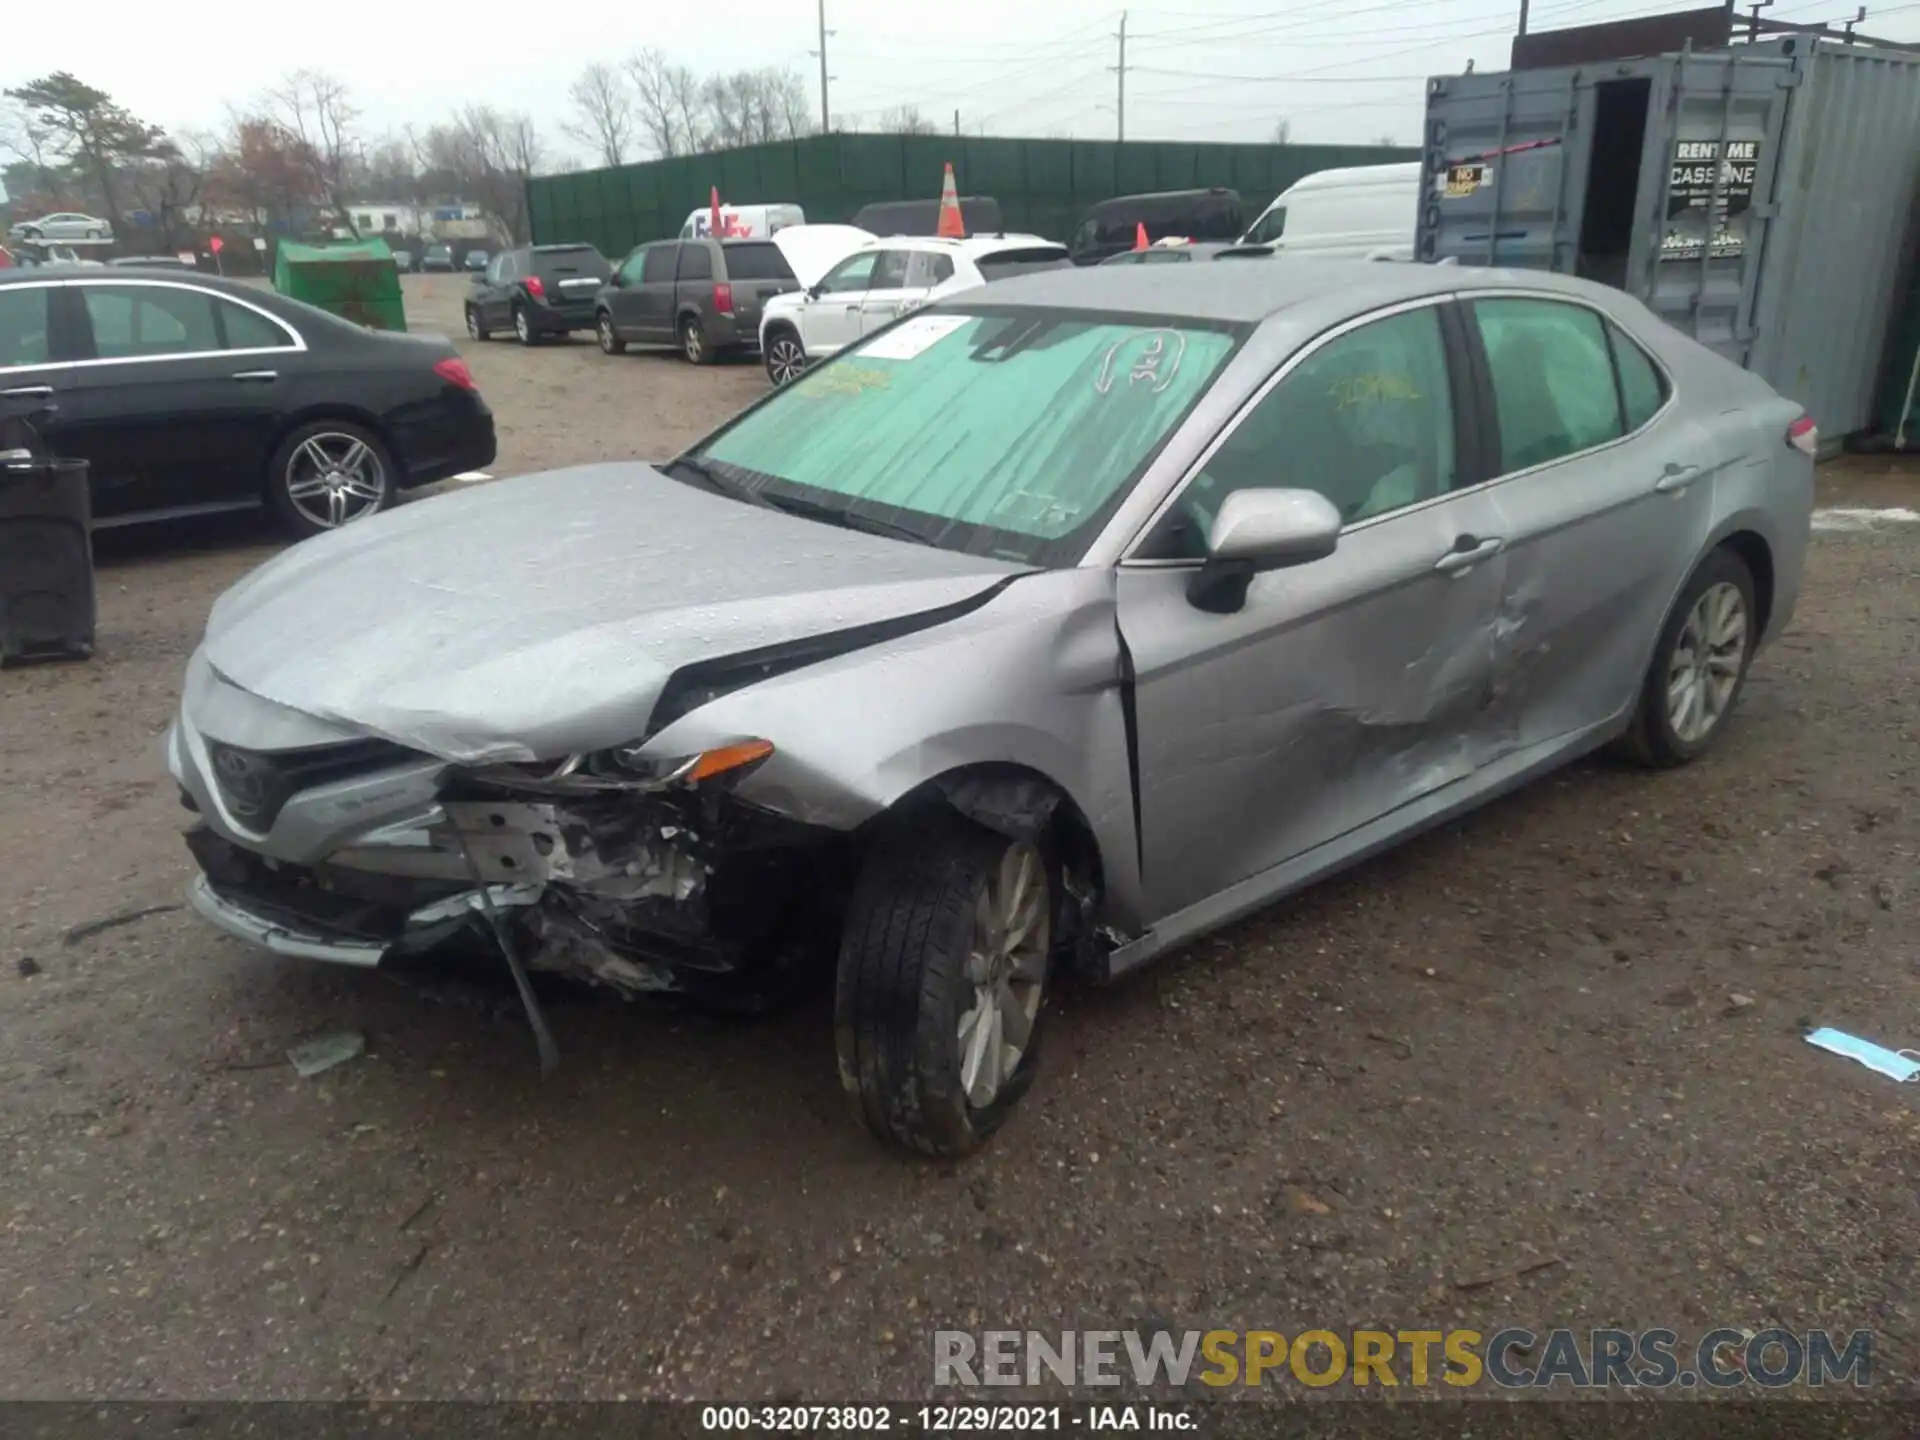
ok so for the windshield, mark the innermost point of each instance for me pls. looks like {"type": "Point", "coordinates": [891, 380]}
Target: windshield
{"type": "Point", "coordinates": [1005, 264]}
{"type": "Point", "coordinates": [1005, 432]}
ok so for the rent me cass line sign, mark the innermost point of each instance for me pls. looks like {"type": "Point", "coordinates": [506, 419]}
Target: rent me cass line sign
{"type": "Point", "coordinates": [1512, 1359]}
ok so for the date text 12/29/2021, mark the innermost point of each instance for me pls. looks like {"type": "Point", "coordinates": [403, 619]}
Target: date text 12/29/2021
{"type": "Point", "coordinates": [943, 1419]}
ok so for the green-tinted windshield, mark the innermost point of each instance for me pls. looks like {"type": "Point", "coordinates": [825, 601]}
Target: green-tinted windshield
{"type": "Point", "coordinates": [1012, 433]}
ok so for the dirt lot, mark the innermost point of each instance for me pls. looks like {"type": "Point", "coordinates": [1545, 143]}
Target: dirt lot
{"type": "Point", "coordinates": [1516, 1040]}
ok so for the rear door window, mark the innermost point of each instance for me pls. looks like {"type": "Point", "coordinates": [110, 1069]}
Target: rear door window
{"type": "Point", "coordinates": [249, 330]}
{"type": "Point", "coordinates": [25, 331]}
{"type": "Point", "coordinates": [1643, 390]}
{"type": "Point", "coordinates": [1553, 385]}
{"type": "Point", "coordinates": [696, 262]}
{"type": "Point", "coordinates": [660, 263]}
{"type": "Point", "coordinates": [757, 262]}
{"type": "Point", "coordinates": [890, 270]}
{"type": "Point", "coordinates": [136, 322]}
{"type": "Point", "coordinates": [928, 270]}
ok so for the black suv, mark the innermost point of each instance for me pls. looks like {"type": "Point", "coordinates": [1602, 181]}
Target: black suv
{"type": "Point", "coordinates": [704, 296]}
{"type": "Point", "coordinates": [535, 291]}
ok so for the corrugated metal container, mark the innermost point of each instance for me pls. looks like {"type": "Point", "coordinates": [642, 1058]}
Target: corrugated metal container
{"type": "Point", "coordinates": [1755, 197]}
{"type": "Point", "coordinates": [1043, 186]}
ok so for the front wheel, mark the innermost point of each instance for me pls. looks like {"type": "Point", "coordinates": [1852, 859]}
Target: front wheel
{"type": "Point", "coordinates": [95, 235]}
{"type": "Point", "coordinates": [610, 341]}
{"type": "Point", "coordinates": [786, 359]}
{"type": "Point", "coordinates": [329, 474]}
{"type": "Point", "coordinates": [1699, 665]}
{"type": "Point", "coordinates": [476, 327]}
{"type": "Point", "coordinates": [942, 975]}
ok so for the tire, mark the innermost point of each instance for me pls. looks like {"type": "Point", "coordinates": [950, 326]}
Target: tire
{"type": "Point", "coordinates": [94, 235]}
{"type": "Point", "coordinates": [476, 327]}
{"type": "Point", "coordinates": [1684, 703]}
{"type": "Point", "coordinates": [786, 357]}
{"type": "Point", "coordinates": [307, 509]}
{"type": "Point", "coordinates": [905, 987]}
{"type": "Point", "coordinates": [693, 341]}
{"type": "Point", "coordinates": [523, 330]}
{"type": "Point", "coordinates": [610, 343]}
{"type": "Point", "coordinates": [30, 232]}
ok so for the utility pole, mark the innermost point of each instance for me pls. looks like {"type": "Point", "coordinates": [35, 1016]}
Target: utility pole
{"type": "Point", "coordinates": [1121, 71]}
{"type": "Point", "coordinates": [1523, 17]}
{"type": "Point", "coordinates": [956, 124]}
{"type": "Point", "coordinates": [825, 124]}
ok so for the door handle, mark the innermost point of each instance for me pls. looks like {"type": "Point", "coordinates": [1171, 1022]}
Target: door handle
{"type": "Point", "coordinates": [23, 391]}
{"type": "Point", "coordinates": [259, 375]}
{"type": "Point", "coordinates": [1468, 551]}
{"type": "Point", "coordinates": [1676, 478]}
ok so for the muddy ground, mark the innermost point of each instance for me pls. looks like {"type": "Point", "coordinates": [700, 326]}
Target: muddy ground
{"type": "Point", "coordinates": [1566, 1029]}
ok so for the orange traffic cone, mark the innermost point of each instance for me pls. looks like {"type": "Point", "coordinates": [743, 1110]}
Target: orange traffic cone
{"type": "Point", "coordinates": [952, 226]}
{"type": "Point", "coordinates": [1140, 236]}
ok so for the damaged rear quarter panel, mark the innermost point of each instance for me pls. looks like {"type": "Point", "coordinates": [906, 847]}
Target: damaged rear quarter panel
{"type": "Point", "coordinates": [1031, 679]}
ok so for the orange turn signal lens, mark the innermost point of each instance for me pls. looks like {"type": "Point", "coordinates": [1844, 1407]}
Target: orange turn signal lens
{"type": "Point", "coordinates": [728, 757]}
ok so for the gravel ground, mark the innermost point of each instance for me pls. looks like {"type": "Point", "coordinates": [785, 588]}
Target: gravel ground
{"type": "Point", "coordinates": [1565, 1029]}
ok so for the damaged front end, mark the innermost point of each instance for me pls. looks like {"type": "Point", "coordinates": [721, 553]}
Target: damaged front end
{"type": "Point", "coordinates": [641, 875]}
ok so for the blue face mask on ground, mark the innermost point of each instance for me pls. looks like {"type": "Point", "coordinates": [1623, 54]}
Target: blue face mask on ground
{"type": "Point", "coordinates": [1894, 1064]}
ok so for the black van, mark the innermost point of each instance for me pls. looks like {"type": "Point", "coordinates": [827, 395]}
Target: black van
{"type": "Point", "coordinates": [1114, 225]}
{"type": "Point", "coordinates": [979, 213]}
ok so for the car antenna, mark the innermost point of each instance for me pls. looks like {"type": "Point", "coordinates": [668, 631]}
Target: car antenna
{"type": "Point", "coordinates": [542, 1036]}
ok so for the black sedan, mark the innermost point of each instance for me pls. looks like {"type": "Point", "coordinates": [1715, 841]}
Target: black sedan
{"type": "Point", "coordinates": [190, 394]}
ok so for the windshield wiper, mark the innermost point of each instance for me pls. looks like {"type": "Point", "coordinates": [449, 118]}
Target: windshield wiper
{"type": "Point", "coordinates": [848, 519]}
{"type": "Point", "coordinates": [718, 483]}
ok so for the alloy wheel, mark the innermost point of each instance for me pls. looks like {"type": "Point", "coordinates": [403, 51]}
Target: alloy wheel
{"type": "Point", "coordinates": [1708, 656]}
{"type": "Point", "coordinates": [785, 360]}
{"type": "Point", "coordinates": [334, 479]}
{"type": "Point", "coordinates": [473, 322]}
{"type": "Point", "coordinates": [605, 331]}
{"type": "Point", "coordinates": [1007, 968]}
{"type": "Point", "coordinates": [692, 341]}
{"type": "Point", "coordinates": [521, 329]}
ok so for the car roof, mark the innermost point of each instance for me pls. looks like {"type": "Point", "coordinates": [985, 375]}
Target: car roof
{"type": "Point", "coordinates": [970, 245]}
{"type": "Point", "coordinates": [1254, 291]}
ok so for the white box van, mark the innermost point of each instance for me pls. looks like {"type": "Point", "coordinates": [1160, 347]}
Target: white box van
{"type": "Point", "coordinates": [1364, 212]}
{"type": "Point", "coordinates": [742, 222]}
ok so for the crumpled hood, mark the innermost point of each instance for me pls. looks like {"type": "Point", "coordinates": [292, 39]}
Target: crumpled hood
{"type": "Point", "coordinates": [540, 617]}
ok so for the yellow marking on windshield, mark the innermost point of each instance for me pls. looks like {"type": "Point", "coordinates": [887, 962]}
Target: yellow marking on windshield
{"type": "Point", "coordinates": [1361, 389]}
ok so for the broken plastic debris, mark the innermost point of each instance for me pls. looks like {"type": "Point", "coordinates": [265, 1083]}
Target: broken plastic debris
{"type": "Point", "coordinates": [316, 1057]}
{"type": "Point", "coordinates": [1897, 1065]}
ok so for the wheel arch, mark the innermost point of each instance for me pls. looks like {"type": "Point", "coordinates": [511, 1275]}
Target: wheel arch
{"type": "Point", "coordinates": [1757, 554]}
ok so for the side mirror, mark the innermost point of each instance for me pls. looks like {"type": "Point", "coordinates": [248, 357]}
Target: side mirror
{"type": "Point", "coordinates": [816, 290]}
{"type": "Point", "coordinates": [1259, 530]}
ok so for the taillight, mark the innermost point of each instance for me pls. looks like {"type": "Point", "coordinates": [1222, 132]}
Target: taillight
{"type": "Point", "coordinates": [535, 287]}
{"type": "Point", "coordinates": [454, 371]}
{"type": "Point", "coordinates": [1804, 435]}
{"type": "Point", "coordinates": [723, 299]}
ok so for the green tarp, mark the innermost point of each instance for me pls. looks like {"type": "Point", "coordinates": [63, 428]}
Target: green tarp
{"type": "Point", "coordinates": [355, 280]}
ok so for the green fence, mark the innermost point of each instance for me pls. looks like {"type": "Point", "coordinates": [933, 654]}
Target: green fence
{"type": "Point", "coordinates": [1043, 186]}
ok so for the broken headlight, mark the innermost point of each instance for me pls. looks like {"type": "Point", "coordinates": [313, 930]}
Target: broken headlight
{"type": "Point", "coordinates": [624, 768]}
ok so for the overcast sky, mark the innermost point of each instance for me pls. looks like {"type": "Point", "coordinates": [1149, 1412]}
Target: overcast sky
{"type": "Point", "coordinates": [1198, 69]}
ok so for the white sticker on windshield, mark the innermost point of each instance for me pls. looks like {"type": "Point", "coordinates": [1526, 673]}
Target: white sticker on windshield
{"type": "Point", "coordinates": [913, 337]}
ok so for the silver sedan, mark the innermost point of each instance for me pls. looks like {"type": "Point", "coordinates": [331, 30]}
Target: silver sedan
{"type": "Point", "coordinates": [1048, 628]}
{"type": "Point", "coordinates": [62, 226]}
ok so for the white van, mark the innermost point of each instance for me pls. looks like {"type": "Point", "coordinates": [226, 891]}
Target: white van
{"type": "Point", "coordinates": [743, 222]}
{"type": "Point", "coordinates": [1365, 212]}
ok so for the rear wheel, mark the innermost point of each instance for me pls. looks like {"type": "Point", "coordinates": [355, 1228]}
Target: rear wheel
{"type": "Point", "coordinates": [942, 976]}
{"type": "Point", "coordinates": [1699, 665]}
{"type": "Point", "coordinates": [693, 341]}
{"type": "Point", "coordinates": [94, 234]}
{"type": "Point", "coordinates": [523, 330]}
{"type": "Point", "coordinates": [328, 474]}
{"type": "Point", "coordinates": [786, 358]}
{"type": "Point", "coordinates": [610, 342]}
{"type": "Point", "coordinates": [476, 327]}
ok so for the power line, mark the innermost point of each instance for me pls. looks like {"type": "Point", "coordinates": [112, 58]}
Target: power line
{"type": "Point", "coordinates": [1284, 79]}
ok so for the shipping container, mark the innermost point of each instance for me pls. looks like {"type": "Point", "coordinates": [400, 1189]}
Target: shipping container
{"type": "Point", "coordinates": [1043, 186]}
{"type": "Point", "coordinates": [1756, 197]}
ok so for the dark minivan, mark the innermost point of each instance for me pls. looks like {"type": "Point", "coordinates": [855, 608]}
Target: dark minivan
{"type": "Point", "coordinates": [536, 291]}
{"type": "Point", "coordinates": [1114, 225]}
{"type": "Point", "coordinates": [980, 214]}
{"type": "Point", "coordinates": [704, 296]}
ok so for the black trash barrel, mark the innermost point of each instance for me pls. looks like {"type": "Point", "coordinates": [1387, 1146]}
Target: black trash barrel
{"type": "Point", "coordinates": [46, 560]}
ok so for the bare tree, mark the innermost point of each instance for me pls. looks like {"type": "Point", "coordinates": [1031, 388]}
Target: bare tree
{"type": "Point", "coordinates": [907, 120]}
{"type": "Point", "coordinates": [34, 147]}
{"type": "Point", "coordinates": [753, 107]}
{"type": "Point", "coordinates": [1282, 131]}
{"type": "Point", "coordinates": [315, 108]}
{"type": "Point", "coordinates": [668, 103]}
{"type": "Point", "coordinates": [169, 182]}
{"type": "Point", "coordinates": [487, 154]}
{"type": "Point", "coordinates": [602, 112]}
